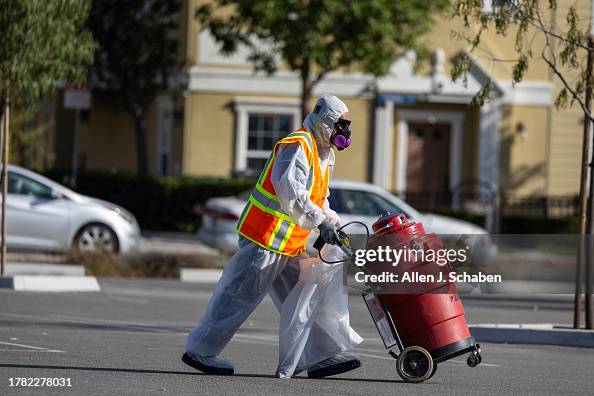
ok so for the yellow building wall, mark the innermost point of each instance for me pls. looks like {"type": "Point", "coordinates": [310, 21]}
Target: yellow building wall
{"type": "Point", "coordinates": [565, 146]}
{"type": "Point", "coordinates": [445, 34]}
{"type": "Point", "coordinates": [209, 135]}
{"type": "Point", "coordinates": [353, 163]}
{"type": "Point", "coordinates": [209, 145]}
{"type": "Point", "coordinates": [523, 160]}
{"type": "Point", "coordinates": [108, 140]}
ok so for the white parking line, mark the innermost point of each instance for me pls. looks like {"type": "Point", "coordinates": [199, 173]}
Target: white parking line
{"type": "Point", "coordinates": [29, 348]}
{"type": "Point", "coordinates": [32, 350]}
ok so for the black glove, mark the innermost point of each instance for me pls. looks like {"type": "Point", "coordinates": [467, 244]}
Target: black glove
{"type": "Point", "coordinates": [329, 234]}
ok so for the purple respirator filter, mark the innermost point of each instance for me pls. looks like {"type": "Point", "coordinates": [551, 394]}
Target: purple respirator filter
{"type": "Point", "coordinates": [341, 142]}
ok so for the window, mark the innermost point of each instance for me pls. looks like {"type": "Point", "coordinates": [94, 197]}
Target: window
{"type": "Point", "coordinates": [259, 125]}
{"type": "Point", "coordinates": [22, 185]}
{"type": "Point", "coordinates": [264, 130]}
{"type": "Point", "coordinates": [490, 6]}
{"type": "Point", "coordinates": [363, 203]}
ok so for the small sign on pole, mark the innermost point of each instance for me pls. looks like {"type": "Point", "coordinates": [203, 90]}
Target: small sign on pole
{"type": "Point", "coordinates": [77, 97]}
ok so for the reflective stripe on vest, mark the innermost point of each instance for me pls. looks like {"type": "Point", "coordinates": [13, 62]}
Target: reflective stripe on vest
{"type": "Point", "coordinates": [263, 221]}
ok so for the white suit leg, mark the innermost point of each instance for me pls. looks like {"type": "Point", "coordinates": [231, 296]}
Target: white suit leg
{"type": "Point", "coordinates": [312, 329]}
{"type": "Point", "coordinates": [244, 283]}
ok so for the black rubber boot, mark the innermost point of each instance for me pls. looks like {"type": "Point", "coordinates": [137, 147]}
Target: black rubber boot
{"type": "Point", "coordinates": [204, 368]}
{"type": "Point", "coordinates": [334, 369]}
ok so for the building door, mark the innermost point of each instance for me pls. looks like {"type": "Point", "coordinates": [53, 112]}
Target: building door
{"type": "Point", "coordinates": [428, 161]}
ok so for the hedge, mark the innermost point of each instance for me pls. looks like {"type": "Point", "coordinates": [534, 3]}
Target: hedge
{"type": "Point", "coordinates": [167, 202]}
{"type": "Point", "coordinates": [159, 203]}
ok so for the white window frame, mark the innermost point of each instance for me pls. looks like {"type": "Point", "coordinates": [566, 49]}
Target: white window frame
{"type": "Point", "coordinates": [489, 7]}
{"type": "Point", "coordinates": [246, 106]}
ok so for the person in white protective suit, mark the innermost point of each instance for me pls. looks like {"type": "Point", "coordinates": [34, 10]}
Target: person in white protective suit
{"type": "Point", "coordinates": [290, 200]}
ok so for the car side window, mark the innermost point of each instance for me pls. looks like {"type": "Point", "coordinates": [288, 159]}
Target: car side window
{"type": "Point", "coordinates": [385, 204]}
{"type": "Point", "coordinates": [22, 185]}
{"type": "Point", "coordinates": [360, 203]}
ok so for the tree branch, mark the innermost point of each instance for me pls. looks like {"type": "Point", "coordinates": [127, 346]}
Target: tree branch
{"type": "Point", "coordinates": [574, 94]}
{"type": "Point", "coordinates": [540, 26]}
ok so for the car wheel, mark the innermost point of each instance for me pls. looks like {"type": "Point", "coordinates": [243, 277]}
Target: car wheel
{"type": "Point", "coordinates": [96, 238]}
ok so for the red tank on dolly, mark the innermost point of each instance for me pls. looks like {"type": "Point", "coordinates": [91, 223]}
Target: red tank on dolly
{"type": "Point", "coordinates": [426, 322]}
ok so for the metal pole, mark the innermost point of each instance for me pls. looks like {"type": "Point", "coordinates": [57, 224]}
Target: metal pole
{"type": "Point", "coordinates": [74, 173]}
{"type": "Point", "coordinates": [5, 127]}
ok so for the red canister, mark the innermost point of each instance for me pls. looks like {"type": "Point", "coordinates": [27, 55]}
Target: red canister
{"type": "Point", "coordinates": [431, 314]}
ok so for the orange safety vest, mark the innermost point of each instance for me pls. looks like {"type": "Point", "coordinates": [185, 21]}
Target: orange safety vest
{"type": "Point", "coordinates": [263, 220]}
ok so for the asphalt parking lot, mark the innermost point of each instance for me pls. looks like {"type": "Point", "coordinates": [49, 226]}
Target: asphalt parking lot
{"type": "Point", "coordinates": [128, 339]}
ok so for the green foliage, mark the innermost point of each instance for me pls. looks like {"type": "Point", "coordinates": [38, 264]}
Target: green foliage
{"type": "Point", "coordinates": [136, 58]}
{"type": "Point", "coordinates": [563, 49]}
{"type": "Point", "coordinates": [27, 137]}
{"type": "Point", "coordinates": [44, 43]}
{"type": "Point", "coordinates": [137, 49]}
{"type": "Point", "coordinates": [159, 203]}
{"type": "Point", "coordinates": [318, 36]}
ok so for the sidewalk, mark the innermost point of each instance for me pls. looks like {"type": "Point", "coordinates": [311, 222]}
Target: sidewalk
{"type": "Point", "coordinates": [542, 334]}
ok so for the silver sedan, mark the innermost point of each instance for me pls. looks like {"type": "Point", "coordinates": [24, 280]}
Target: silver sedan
{"type": "Point", "coordinates": [44, 215]}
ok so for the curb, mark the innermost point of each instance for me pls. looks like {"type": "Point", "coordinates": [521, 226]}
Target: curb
{"type": "Point", "coordinates": [48, 283]}
{"type": "Point", "coordinates": [200, 275]}
{"type": "Point", "coordinates": [29, 268]}
{"type": "Point", "coordinates": [541, 334]}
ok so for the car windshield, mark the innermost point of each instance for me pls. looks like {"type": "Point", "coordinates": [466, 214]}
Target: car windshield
{"type": "Point", "coordinates": [366, 203]}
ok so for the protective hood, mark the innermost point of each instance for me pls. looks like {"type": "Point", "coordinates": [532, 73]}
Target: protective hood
{"type": "Point", "coordinates": [321, 120]}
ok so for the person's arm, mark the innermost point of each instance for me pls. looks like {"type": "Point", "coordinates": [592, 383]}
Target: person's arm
{"type": "Point", "coordinates": [289, 178]}
{"type": "Point", "coordinates": [331, 216]}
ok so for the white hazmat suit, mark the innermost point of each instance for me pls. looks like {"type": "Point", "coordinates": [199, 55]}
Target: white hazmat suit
{"type": "Point", "coordinates": [307, 337]}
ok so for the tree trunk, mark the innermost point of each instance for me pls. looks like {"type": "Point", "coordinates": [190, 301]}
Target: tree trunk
{"type": "Point", "coordinates": [141, 147]}
{"type": "Point", "coordinates": [5, 137]}
{"type": "Point", "coordinates": [306, 90]}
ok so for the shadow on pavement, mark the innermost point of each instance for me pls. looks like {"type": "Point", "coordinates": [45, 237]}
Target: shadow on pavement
{"type": "Point", "coordinates": [121, 370]}
{"type": "Point", "coordinates": [150, 371]}
{"type": "Point", "coordinates": [353, 380]}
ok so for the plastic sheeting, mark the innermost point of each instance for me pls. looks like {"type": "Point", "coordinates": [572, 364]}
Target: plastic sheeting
{"type": "Point", "coordinates": [314, 323]}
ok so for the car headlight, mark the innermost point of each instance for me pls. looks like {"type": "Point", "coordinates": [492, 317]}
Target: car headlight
{"type": "Point", "coordinates": [123, 213]}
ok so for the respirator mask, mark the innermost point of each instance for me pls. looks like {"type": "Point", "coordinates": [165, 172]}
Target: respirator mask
{"type": "Point", "coordinates": [341, 134]}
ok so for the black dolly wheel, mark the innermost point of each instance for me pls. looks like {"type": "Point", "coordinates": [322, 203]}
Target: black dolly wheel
{"type": "Point", "coordinates": [474, 359]}
{"type": "Point", "coordinates": [414, 364]}
{"type": "Point", "coordinates": [433, 371]}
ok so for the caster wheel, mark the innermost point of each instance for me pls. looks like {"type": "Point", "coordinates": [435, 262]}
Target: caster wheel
{"type": "Point", "coordinates": [414, 364]}
{"type": "Point", "coordinates": [474, 359]}
{"type": "Point", "coordinates": [433, 371]}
